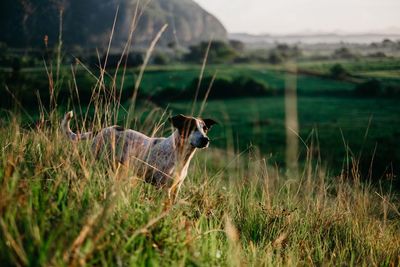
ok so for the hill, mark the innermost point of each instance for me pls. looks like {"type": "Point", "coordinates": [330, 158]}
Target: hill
{"type": "Point", "coordinates": [24, 23]}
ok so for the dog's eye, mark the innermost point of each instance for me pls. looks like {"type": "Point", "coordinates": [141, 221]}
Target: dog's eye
{"type": "Point", "coordinates": [205, 128]}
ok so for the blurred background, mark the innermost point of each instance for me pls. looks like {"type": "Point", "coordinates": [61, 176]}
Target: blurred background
{"type": "Point", "coordinates": [290, 80]}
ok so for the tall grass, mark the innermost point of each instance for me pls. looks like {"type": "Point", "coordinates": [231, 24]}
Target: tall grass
{"type": "Point", "coordinates": [61, 207]}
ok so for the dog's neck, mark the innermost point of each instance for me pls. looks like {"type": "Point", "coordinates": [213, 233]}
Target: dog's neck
{"type": "Point", "coordinates": [183, 150]}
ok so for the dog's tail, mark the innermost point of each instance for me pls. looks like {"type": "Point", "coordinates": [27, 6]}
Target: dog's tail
{"type": "Point", "coordinates": [69, 133]}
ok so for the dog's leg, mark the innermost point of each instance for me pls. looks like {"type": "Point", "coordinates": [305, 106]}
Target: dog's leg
{"type": "Point", "coordinates": [171, 193]}
{"type": "Point", "coordinates": [120, 171]}
{"type": "Point", "coordinates": [178, 189]}
{"type": "Point", "coordinates": [96, 149]}
{"type": "Point", "coordinates": [174, 189]}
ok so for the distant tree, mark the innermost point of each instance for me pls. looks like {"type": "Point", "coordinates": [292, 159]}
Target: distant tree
{"type": "Point", "coordinates": [161, 59]}
{"type": "Point", "coordinates": [343, 53]}
{"type": "Point", "coordinates": [283, 52]}
{"type": "Point", "coordinates": [387, 43]}
{"type": "Point", "coordinates": [220, 89]}
{"type": "Point", "coordinates": [220, 52]}
{"type": "Point", "coordinates": [374, 45]}
{"type": "Point", "coordinates": [223, 88]}
{"type": "Point", "coordinates": [275, 57]}
{"type": "Point", "coordinates": [377, 55]}
{"type": "Point", "coordinates": [239, 46]}
{"type": "Point", "coordinates": [337, 71]}
{"type": "Point", "coordinates": [253, 87]}
{"type": "Point", "coordinates": [369, 88]}
{"type": "Point", "coordinates": [392, 90]}
{"type": "Point", "coordinates": [296, 52]}
{"type": "Point", "coordinates": [288, 51]}
{"type": "Point", "coordinates": [284, 49]}
{"type": "Point", "coordinates": [135, 60]}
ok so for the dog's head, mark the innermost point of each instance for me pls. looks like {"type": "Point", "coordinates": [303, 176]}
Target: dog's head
{"type": "Point", "coordinates": [193, 130]}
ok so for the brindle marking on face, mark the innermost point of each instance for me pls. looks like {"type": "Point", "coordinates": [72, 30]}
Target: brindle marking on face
{"type": "Point", "coordinates": [193, 130]}
{"type": "Point", "coordinates": [187, 124]}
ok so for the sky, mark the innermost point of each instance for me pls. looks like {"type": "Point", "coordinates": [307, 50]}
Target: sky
{"type": "Point", "coordinates": [295, 16]}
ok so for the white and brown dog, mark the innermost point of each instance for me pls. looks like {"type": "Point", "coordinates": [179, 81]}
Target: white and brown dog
{"type": "Point", "coordinates": [161, 161]}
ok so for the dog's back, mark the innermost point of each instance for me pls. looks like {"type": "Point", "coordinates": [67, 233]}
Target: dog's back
{"type": "Point", "coordinates": [161, 161]}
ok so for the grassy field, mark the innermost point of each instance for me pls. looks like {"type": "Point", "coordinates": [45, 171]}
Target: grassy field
{"type": "Point", "coordinates": [354, 66]}
{"type": "Point", "coordinates": [329, 112]}
{"type": "Point", "coordinates": [158, 78]}
{"type": "Point", "coordinates": [274, 78]}
{"type": "Point", "coordinates": [180, 76]}
{"type": "Point", "coordinates": [239, 206]}
{"type": "Point", "coordinates": [59, 207]}
{"type": "Point", "coordinates": [339, 126]}
{"type": "Point", "coordinates": [337, 123]}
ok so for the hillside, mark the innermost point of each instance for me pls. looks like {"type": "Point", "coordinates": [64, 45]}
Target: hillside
{"type": "Point", "coordinates": [24, 23]}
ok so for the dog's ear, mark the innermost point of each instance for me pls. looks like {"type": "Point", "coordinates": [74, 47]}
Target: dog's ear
{"type": "Point", "coordinates": [209, 123]}
{"type": "Point", "coordinates": [178, 121]}
{"type": "Point", "coordinates": [183, 122]}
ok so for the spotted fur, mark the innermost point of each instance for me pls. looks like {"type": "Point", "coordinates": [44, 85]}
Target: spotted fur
{"type": "Point", "coordinates": [164, 162]}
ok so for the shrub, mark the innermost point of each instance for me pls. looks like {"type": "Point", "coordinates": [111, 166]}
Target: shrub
{"type": "Point", "coordinates": [220, 52]}
{"type": "Point", "coordinates": [343, 53]}
{"type": "Point", "coordinates": [371, 87]}
{"type": "Point", "coordinates": [392, 90]}
{"type": "Point", "coordinates": [377, 55]}
{"type": "Point", "coordinates": [338, 71]}
{"type": "Point", "coordinates": [239, 46]}
{"type": "Point", "coordinates": [275, 58]}
{"type": "Point", "coordinates": [283, 52]}
{"type": "Point", "coordinates": [254, 87]}
{"type": "Point", "coordinates": [222, 88]}
{"type": "Point", "coordinates": [133, 60]}
{"type": "Point", "coordinates": [161, 59]}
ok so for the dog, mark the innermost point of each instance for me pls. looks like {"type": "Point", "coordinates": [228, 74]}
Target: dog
{"type": "Point", "coordinates": [163, 162]}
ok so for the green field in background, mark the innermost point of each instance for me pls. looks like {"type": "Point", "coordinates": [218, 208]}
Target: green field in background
{"type": "Point", "coordinates": [339, 126]}
{"type": "Point", "coordinates": [334, 119]}
{"type": "Point", "coordinates": [155, 80]}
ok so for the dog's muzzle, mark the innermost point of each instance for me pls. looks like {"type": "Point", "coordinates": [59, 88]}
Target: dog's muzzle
{"type": "Point", "coordinates": [204, 142]}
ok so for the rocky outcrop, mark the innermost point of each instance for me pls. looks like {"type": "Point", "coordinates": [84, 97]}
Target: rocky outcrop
{"type": "Point", "coordinates": [88, 23]}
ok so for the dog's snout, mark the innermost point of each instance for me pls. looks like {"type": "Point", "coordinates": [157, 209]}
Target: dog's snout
{"type": "Point", "coordinates": [204, 141]}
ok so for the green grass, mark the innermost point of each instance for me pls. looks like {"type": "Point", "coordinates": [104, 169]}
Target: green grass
{"type": "Point", "coordinates": [379, 74]}
{"type": "Point", "coordinates": [385, 69]}
{"type": "Point", "coordinates": [353, 65]}
{"type": "Point", "coordinates": [179, 77]}
{"type": "Point", "coordinates": [260, 121]}
{"type": "Point", "coordinates": [156, 79]}
{"type": "Point", "coordinates": [339, 125]}
{"type": "Point", "coordinates": [59, 207]}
